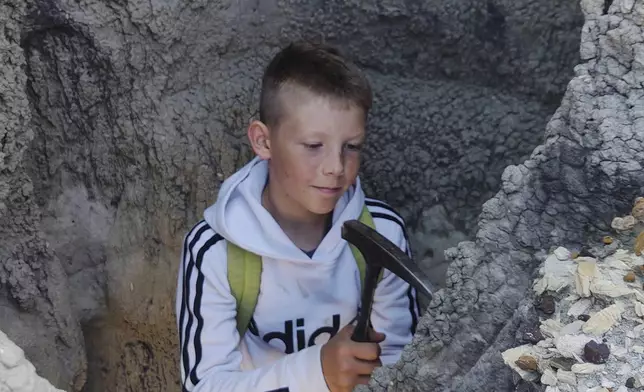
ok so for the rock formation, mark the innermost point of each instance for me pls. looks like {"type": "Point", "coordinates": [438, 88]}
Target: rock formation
{"type": "Point", "coordinates": [589, 169]}
{"type": "Point", "coordinates": [120, 119]}
{"type": "Point", "coordinates": [35, 305]}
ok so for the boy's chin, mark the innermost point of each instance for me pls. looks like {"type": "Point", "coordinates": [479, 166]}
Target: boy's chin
{"type": "Point", "coordinates": [322, 208]}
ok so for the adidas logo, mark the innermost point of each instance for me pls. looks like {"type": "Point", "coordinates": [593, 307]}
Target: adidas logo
{"type": "Point", "coordinates": [292, 336]}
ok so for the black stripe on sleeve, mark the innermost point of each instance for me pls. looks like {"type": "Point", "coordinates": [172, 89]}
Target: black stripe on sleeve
{"type": "Point", "coordinates": [184, 334]}
{"type": "Point", "coordinates": [384, 206]}
{"type": "Point", "coordinates": [197, 305]}
{"type": "Point", "coordinates": [184, 256]}
{"type": "Point", "coordinates": [396, 220]}
{"type": "Point", "coordinates": [394, 216]}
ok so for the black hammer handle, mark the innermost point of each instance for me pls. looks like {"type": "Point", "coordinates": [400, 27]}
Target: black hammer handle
{"type": "Point", "coordinates": [361, 332]}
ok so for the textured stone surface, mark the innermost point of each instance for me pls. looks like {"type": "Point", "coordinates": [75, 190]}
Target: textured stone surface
{"type": "Point", "coordinates": [122, 118]}
{"type": "Point", "coordinates": [588, 170]}
{"type": "Point", "coordinates": [35, 306]}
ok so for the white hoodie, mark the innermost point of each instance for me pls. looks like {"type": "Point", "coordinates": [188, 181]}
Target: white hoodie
{"type": "Point", "coordinates": [303, 300]}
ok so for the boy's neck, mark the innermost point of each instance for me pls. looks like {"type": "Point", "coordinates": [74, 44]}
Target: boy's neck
{"type": "Point", "coordinates": [303, 227]}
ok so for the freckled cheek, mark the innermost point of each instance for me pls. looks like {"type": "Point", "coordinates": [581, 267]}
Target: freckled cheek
{"type": "Point", "coordinates": [301, 172]}
{"type": "Point", "coordinates": [351, 166]}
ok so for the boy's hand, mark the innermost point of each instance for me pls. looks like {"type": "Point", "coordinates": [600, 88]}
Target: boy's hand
{"type": "Point", "coordinates": [346, 363]}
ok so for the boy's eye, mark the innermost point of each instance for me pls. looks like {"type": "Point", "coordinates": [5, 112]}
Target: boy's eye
{"type": "Point", "coordinates": [312, 146]}
{"type": "Point", "coordinates": [354, 147]}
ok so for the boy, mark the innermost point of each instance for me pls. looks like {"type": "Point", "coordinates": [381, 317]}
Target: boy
{"type": "Point", "coordinates": [288, 205]}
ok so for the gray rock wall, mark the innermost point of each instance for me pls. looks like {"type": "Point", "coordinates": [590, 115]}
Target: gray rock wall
{"type": "Point", "coordinates": [589, 169]}
{"type": "Point", "coordinates": [35, 305]}
{"type": "Point", "coordinates": [124, 117]}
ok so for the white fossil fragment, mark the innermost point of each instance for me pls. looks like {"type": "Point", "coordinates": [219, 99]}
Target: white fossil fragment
{"type": "Point", "coordinates": [511, 355]}
{"type": "Point", "coordinates": [549, 377]}
{"type": "Point", "coordinates": [638, 330]}
{"type": "Point", "coordinates": [540, 286]}
{"type": "Point", "coordinates": [595, 389]}
{"type": "Point", "coordinates": [618, 351]}
{"type": "Point", "coordinates": [562, 253]}
{"type": "Point", "coordinates": [572, 328]}
{"type": "Point", "coordinates": [603, 320]}
{"type": "Point", "coordinates": [635, 319]}
{"type": "Point", "coordinates": [546, 343]}
{"type": "Point", "coordinates": [16, 372]}
{"type": "Point", "coordinates": [586, 272]}
{"type": "Point", "coordinates": [550, 328]}
{"type": "Point", "coordinates": [608, 288]}
{"type": "Point", "coordinates": [566, 377]}
{"type": "Point", "coordinates": [626, 256]}
{"type": "Point", "coordinates": [625, 223]}
{"type": "Point", "coordinates": [639, 308]}
{"type": "Point", "coordinates": [543, 365]}
{"type": "Point", "coordinates": [586, 368]}
{"type": "Point", "coordinates": [622, 389]}
{"type": "Point", "coordinates": [551, 388]}
{"type": "Point", "coordinates": [557, 275]}
{"type": "Point", "coordinates": [639, 295]}
{"type": "Point", "coordinates": [616, 263]}
{"type": "Point", "coordinates": [571, 345]}
{"type": "Point", "coordinates": [579, 307]}
{"type": "Point", "coordinates": [637, 349]}
{"type": "Point", "coordinates": [631, 334]}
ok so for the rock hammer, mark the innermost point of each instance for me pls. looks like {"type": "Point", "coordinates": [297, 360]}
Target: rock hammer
{"type": "Point", "coordinates": [379, 252]}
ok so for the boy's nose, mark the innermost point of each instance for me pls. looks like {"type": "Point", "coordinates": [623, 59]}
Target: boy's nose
{"type": "Point", "coordinates": [333, 165]}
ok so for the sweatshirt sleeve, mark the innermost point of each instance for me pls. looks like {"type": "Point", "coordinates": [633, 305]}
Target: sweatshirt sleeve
{"type": "Point", "coordinates": [395, 309]}
{"type": "Point", "coordinates": [210, 358]}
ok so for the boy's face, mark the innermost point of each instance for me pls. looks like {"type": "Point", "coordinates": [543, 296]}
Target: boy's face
{"type": "Point", "coordinates": [314, 153]}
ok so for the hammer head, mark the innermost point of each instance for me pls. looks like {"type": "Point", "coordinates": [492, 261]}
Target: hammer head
{"type": "Point", "coordinates": [379, 251]}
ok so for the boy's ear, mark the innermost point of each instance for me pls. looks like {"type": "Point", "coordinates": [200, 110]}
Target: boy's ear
{"type": "Point", "coordinates": [259, 138]}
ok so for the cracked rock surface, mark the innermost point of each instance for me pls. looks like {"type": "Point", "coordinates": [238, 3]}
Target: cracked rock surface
{"type": "Point", "coordinates": [588, 170]}
{"type": "Point", "coordinates": [119, 120]}
{"type": "Point", "coordinates": [35, 308]}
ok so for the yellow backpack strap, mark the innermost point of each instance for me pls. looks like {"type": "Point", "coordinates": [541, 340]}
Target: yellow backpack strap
{"type": "Point", "coordinates": [367, 219]}
{"type": "Point", "coordinates": [244, 273]}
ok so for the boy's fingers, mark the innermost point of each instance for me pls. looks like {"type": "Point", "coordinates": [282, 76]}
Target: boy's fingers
{"type": "Point", "coordinates": [376, 337]}
{"type": "Point", "coordinates": [366, 351]}
{"type": "Point", "coordinates": [365, 368]}
{"type": "Point", "coordinates": [347, 331]}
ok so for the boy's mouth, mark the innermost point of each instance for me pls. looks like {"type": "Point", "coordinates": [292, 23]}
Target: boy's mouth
{"type": "Point", "coordinates": [328, 190]}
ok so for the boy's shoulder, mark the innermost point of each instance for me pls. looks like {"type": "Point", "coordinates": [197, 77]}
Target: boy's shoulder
{"type": "Point", "coordinates": [385, 217]}
{"type": "Point", "coordinates": [199, 239]}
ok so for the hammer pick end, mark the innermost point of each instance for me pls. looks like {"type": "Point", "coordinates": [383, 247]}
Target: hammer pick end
{"type": "Point", "coordinates": [380, 251]}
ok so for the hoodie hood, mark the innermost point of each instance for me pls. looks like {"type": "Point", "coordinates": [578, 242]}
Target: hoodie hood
{"type": "Point", "coordinates": [239, 217]}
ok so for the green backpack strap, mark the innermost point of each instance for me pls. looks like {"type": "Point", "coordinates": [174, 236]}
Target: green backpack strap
{"type": "Point", "coordinates": [367, 219]}
{"type": "Point", "coordinates": [244, 272]}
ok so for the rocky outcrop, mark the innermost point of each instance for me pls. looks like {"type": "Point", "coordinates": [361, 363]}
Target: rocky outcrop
{"type": "Point", "coordinates": [123, 117]}
{"type": "Point", "coordinates": [588, 170]}
{"type": "Point", "coordinates": [35, 306]}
